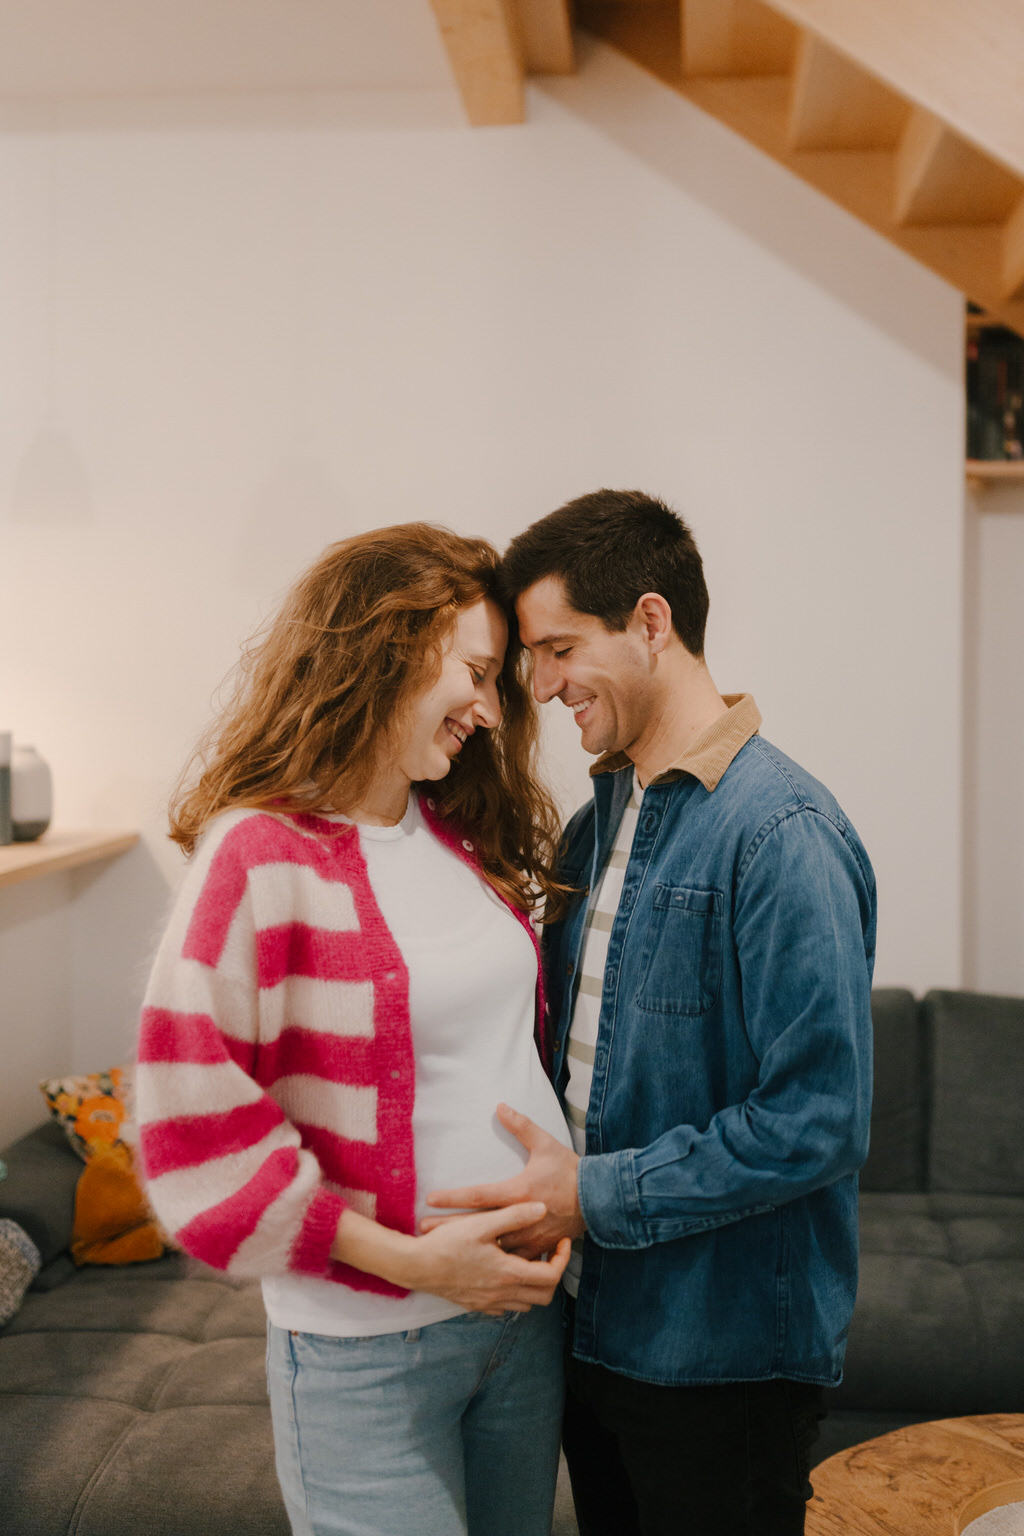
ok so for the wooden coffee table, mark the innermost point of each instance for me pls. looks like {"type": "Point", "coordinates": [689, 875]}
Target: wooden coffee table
{"type": "Point", "coordinates": [928, 1478]}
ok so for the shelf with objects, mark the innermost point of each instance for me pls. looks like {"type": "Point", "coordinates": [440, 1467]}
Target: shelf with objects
{"type": "Point", "coordinates": [995, 401]}
{"type": "Point", "coordinates": [56, 851]}
{"type": "Point", "coordinates": [28, 846]}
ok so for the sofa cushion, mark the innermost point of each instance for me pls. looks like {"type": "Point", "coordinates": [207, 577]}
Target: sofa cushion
{"type": "Point", "coordinates": [938, 1328]}
{"type": "Point", "coordinates": [135, 1400]}
{"type": "Point", "coordinates": [187, 1303]}
{"type": "Point", "coordinates": [49, 1451]}
{"type": "Point", "coordinates": [103, 1469]}
{"type": "Point", "coordinates": [977, 1051]}
{"type": "Point", "coordinates": [896, 1159]}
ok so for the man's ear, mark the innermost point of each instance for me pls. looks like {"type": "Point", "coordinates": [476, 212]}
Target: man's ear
{"type": "Point", "coordinates": [653, 617]}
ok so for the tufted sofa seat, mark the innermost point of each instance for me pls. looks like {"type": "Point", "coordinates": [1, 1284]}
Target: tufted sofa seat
{"type": "Point", "coordinates": [132, 1399]}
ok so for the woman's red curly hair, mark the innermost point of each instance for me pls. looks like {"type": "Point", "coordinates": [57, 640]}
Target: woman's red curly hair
{"type": "Point", "coordinates": [317, 691]}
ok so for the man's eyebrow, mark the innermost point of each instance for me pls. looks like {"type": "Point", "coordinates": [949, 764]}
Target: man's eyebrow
{"type": "Point", "coordinates": [557, 639]}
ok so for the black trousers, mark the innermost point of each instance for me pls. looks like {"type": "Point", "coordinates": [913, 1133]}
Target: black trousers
{"type": "Point", "coordinates": [726, 1460]}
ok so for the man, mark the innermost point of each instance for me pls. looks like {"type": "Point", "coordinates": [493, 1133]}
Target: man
{"type": "Point", "coordinates": [709, 992]}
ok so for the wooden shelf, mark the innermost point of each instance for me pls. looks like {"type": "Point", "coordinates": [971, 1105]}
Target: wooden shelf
{"type": "Point", "coordinates": [57, 851]}
{"type": "Point", "coordinates": [983, 472]}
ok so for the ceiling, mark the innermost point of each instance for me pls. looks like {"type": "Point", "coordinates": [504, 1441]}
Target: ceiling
{"type": "Point", "coordinates": [909, 113]}
{"type": "Point", "coordinates": [93, 48]}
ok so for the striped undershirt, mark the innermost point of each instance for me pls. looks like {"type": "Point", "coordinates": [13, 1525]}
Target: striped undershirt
{"type": "Point", "coordinates": [586, 1014]}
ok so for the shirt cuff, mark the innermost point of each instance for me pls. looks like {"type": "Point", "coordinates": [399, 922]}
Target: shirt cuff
{"type": "Point", "coordinates": [610, 1200]}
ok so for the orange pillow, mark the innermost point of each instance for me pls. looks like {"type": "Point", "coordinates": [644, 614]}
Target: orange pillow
{"type": "Point", "coordinates": [113, 1223]}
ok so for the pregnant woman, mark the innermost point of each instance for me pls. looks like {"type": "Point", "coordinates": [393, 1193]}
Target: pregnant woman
{"type": "Point", "coordinates": [348, 984]}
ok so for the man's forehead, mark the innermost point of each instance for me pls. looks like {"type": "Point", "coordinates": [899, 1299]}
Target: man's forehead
{"type": "Point", "coordinates": [546, 615]}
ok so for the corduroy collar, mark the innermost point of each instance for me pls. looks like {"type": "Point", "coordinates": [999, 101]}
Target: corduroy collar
{"type": "Point", "coordinates": [712, 752]}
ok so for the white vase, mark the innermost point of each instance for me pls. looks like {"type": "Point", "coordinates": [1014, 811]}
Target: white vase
{"type": "Point", "coordinates": [31, 794]}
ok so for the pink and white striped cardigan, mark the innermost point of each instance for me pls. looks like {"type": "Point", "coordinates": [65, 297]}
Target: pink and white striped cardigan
{"type": "Point", "coordinates": [275, 1077]}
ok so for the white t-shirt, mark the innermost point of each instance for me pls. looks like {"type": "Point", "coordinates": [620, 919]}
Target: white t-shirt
{"type": "Point", "coordinates": [472, 984]}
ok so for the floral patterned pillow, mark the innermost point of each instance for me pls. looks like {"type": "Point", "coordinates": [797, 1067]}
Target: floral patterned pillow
{"type": "Point", "coordinates": [113, 1223]}
{"type": "Point", "coordinates": [97, 1110]}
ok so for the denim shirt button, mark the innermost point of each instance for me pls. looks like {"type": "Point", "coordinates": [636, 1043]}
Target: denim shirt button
{"type": "Point", "coordinates": [650, 822]}
{"type": "Point", "coordinates": [570, 968]}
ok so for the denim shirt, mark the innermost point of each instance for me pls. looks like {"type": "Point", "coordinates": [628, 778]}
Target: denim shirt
{"type": "Point", "coordinates": [731, 1092]}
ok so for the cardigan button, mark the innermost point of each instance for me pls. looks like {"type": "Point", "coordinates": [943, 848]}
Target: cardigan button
{"type": "Point", "coordinates": [395, 1072]}
{"type": "Point", "coordinates": [431, 805]}
{"type": "Point", "coordinates": [467, 845]}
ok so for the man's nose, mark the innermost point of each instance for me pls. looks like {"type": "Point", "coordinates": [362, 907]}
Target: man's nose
{"type": "Point", "coordinates": [547, 679]}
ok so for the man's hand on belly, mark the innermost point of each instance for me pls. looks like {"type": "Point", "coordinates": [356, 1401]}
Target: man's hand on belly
{"type": "Point", "coordinates": [549, 1175]}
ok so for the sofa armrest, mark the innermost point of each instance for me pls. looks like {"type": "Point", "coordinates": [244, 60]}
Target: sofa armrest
{"type": "Point", "coordinates": [977, 1055]}
{"type": "Point", "coordinates": [897, 1156]}
{"type": "Point", "coordinates": [39, 1190]}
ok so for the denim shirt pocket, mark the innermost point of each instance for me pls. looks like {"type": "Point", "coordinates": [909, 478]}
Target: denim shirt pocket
{"type": "Point", "coordinates": [681, 959]}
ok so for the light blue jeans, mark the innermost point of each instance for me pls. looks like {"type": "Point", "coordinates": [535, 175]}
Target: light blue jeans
{"type": "Point", "coordinates": [447, 1430]}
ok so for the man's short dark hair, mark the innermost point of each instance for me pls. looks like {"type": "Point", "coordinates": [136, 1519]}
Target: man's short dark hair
{"type": "Point", "coordinates": [609, 548]}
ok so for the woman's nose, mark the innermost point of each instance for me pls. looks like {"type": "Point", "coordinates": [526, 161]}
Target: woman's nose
{"type": "Point", "coordinates": [487, 706]}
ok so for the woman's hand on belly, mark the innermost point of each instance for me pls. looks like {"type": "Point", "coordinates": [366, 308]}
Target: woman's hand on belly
{"type": "Point", "coordinates": [462, 1261]}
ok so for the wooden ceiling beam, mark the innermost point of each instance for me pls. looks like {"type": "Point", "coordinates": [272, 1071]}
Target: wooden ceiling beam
{"type": "Point", "coordinates": [838, 105]}
{"type": "Point", "coordinates": [735, 37]}
{"type": "Point", "coordinates": [648, 31]}
{"type": "Point", "coordinates": [919, 150]}
{"type": "Point", "coordinates": [855, 116]}
{"type": "Point", "coordinates": [486, 53]}
{"type": "Point", "coordinates": [941, 179]}
{"type": "Point", "coordinates": [546, 30]}
{"type": "Point", "coordinates": [1012, 255]}
{"type": "Point", "coordinates": [960, 59]}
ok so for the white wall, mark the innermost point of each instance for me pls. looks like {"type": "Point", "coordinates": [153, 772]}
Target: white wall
{"type": "Point", "coordinates": [234, 330]}
{"type": "Point", "coordinates": [994, 741]}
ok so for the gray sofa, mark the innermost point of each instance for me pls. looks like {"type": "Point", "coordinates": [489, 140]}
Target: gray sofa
{"type": "Point", "coordinates": [132, 1399]}
{"type": "Point", "coordinates": [938, 1330]}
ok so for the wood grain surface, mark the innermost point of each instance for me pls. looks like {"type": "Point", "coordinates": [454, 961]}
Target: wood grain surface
{"type": "Point", "coordinates": [932, 1478]}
